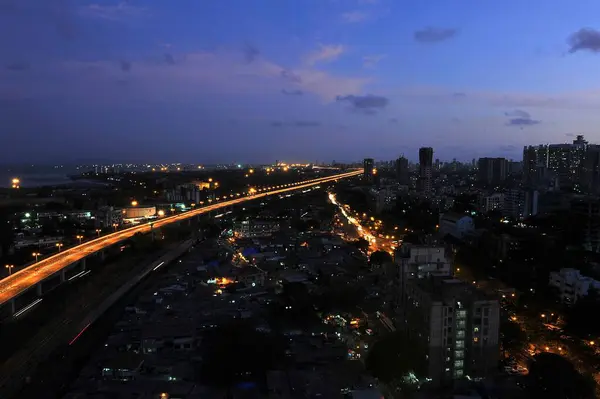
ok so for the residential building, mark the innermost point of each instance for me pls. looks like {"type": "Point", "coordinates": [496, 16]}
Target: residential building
{"type": "Point", "coordinates": [457, 225]}
{"type": "Point", "coordinates": [109, 216]}
{"type": "Point", "coordinates": [590, 171]}
{"type": "Point", "coordinates": [425, 170]}
{"type": "Point", "coordinates": [492, 170]}
{"type": "Point", "coordinates": [586, 210]}
{"type": "Point", "coordinates": [368, 169]}
{"type": "Point", "coordinates": [535, 162]}
{"type": "Point", "coordinates": [256, 228]}
{"type": "Point", "coordinates": [494, 202]}
{"type": "Point", "coordinates": [402, 171]}
{"type": "Point", "coordinates": [520, 204]}
{"type": "Point", "coordinates": [454, 325]}
{"type": "Point", "coordinates": [572, 285]}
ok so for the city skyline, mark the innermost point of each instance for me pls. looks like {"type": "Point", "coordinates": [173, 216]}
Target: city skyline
{"type": "Point", "coordinates": [320, 80]}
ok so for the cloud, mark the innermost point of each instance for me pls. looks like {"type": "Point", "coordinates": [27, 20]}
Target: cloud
{"type": "Point", "coordinates": [584, 39]}
{"type": "Point", "coordinates": [368, 104]}
{"type": "Point", "coordinates": [326, 53]}
{"type": "Point", "coordinates": [250, 53]}
{"type": "Point", "coordinates": [158, 80]}
{"type": "Point", "coordinates": [291, 76]}
{"type": "Point", "coordinates": [394, 121]}
{"type": "Point", "coordinates": [434, 35]}
{"type": "Point", "coordinates": [507, 148]}
{"type": "Point", "coordinates": [456, 121]}
{"type": "Point", "coordinates": [296, 124]}
{"type": "Point", "coordinates": [518, 113]}
{"type": "Point", "coordinates": [169, 59]}
{"type": "Point", "coordinates": [459, 94]}
{"type": "Point", "coordinates": [570, 135]}
{"type": "Point", "coordinates": [520, 118]}
{"type": "Point", "coordinates": [116, 12]}
{"type": "Point", "coordinates": [17, 66]}
{"type": "Point", "coordinates": [370, 61]}
{"type": "Point", "coordinates": [354, 16]}
{"type": "Point", "coordinates": [292, 92]}
{"type": "Point", "coordinates": [125, 66]}
{"type": "Point", "coordinates": [522, 122]}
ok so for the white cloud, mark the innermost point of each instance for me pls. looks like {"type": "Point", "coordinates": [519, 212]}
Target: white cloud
{"type": "Point", "coordinates": [112, 12]}
{"type": "Point", "coordinates": [370, 61]}
{"type": "Point", "coordinates": [326, 53]}
{"type": "Point", "coordinates": [193, 75]}
{"type": "Point", "coordinates": [354, 16]}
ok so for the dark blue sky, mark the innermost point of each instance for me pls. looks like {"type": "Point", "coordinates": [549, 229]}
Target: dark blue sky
{"type": "Point", "coordinates": [257, 80]}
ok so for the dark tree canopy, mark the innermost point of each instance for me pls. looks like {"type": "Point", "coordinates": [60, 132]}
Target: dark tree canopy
{"type": "Point", "coordinates": [513, 337]}
{"type": "Point", "coordinates": [552, 376]}
{"type": "Point", "coordinates": [237, 350]}
{"type": "Point", "coordinates": [380, 258]}
{"type": "Point", "coordinates": [394, 356]}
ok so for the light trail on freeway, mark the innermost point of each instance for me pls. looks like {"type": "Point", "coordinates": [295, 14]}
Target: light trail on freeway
{"type": "Point", "coordinates": [19, 282]}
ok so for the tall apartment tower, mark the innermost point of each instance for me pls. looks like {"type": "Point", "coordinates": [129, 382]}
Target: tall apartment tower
{"type": "Point", "coordinates": [368, 167]}
{"type": "Point", "coordinates": [425, 170]}
{"type": "Point", "coordinates": [492, 170]}
{"type": "Point", "coordinates": [454, 325]}
{"type": "Point", "coordinates": [402, 171]}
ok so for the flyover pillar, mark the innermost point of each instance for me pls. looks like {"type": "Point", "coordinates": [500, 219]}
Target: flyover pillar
{"type": "Point", "coordinates": [83, 263]}
{"type": "Point", "coordinates": [38, 289]}
{"type": "Point", "coordinates": [13, 306]}
{"type": "Point", "coordinates": [63, 275]}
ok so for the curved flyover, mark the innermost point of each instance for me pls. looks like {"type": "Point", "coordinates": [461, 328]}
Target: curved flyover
{"type": "Point", "coordinates": [19, 282]}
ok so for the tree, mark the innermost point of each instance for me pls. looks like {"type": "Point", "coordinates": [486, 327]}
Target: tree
{"type": "Point", "coordinates": [578, 317]}
{"type": "Point", "coordinates": [361, 244]}
{"type": "Point", "coordinates": [234, 350]}
{"type": "Point", "coordinates": [552, 376]}
{"type": "Point", "coordinates": [512, 336]}
{"type": "Point", "coordinates": [394, 356]}
{"type": "Point", "coordinates": [379, 258]}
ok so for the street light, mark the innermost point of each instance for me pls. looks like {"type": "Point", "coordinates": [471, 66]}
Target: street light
{"type": "Point", "coordinates": [79, 237]}
{"type": "Point", "coordinates": [36, 254]}
{"type": "Point", "coordinates": [98, 232]}
{"type": "Point", "coordinates": [161, 213]}
{"type": "Point", "coordinates": [134, 203]}
{"type": "Point", "coordinates": [115, 225]}
{"type": "Point", "coordinates": [59, 245]}
{"type": "Point", "coordinates": [16, 182]}
{"type": "Point", "coordinates": [9, 267]}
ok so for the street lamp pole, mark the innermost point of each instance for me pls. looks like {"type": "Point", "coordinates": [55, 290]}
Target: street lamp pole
{"type": "Point", "coordinates": [98, 232]}
{"type": "Point", "coordinates": [36, 254]}
{"type": "Point", "coordinates": [9, 267]}
{"type": "Point", "coordinates": [79, 237]}
{"type": "Point", "coordinates": [59, 245]}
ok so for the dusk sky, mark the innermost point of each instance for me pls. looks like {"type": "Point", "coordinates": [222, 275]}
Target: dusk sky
{"type": "Point", "coordinates": [297, 80]}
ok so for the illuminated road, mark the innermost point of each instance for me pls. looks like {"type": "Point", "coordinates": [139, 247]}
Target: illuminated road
{"type": "Point", "coordinates": [376, 243]}
{"type": "Point", "coordinates": [18, 282]}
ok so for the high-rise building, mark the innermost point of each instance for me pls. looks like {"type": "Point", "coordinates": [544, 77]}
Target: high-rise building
{"type": "Point", "coordinates": [492, 170]}
{"type": "Point", "coordinates": [535, 163]}
{"type": "Point", "coordinates": [425, 170]}
{"type": "Point", "coordinates": [590, 171]}
{"type": "Point", "coordinates": [563, 163]}
{"type": "Point", "coordinates": [587, 213]}
{"type": "Point", "coordinates": [368, 169]}
{"type": "Point", "coordinates": [455, 325]}
{"type": "Point", "coordinates": [520, 204]}
{"type": "Point", "coordinates": [402, 171]}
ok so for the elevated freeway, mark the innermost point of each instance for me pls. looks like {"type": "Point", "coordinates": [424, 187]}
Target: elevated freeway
{"type": "Point", "coordinates": [20, 282]}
